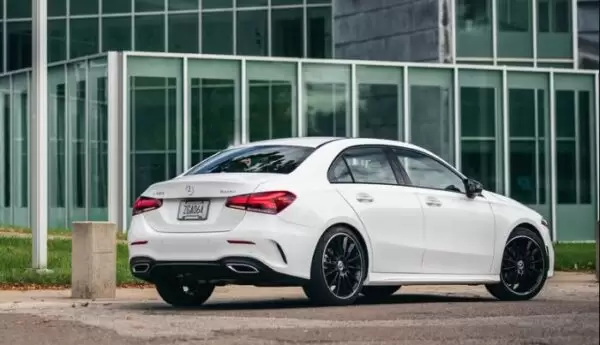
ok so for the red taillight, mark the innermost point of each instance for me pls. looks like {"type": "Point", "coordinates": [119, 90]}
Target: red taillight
{"type": "Point", "coordinates": [266, 202]}
{"type": "Point", "coordinates": [145, 204]}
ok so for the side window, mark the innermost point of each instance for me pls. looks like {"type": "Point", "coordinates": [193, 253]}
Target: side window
{"type": "Point", "coordinates": [339, 173]}
{"type": "Point", "coordinates": [369, 165]}
{"type": "Point", "coordinates": [427, 172]}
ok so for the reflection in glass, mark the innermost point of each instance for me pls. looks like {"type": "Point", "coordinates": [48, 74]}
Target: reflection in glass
{"type": "Point", "coordinates": [217, 32]}
{"type": "Point", "coordinates": [566, 155]}
{"type": "Point", "coordinates": [474, 28]}
{"type": "Point", "coordinates": [76, 94]}
{"type": "Point", "coordinates": [252, 33]}
{"type": "Point", "coordinates": [586, 126]}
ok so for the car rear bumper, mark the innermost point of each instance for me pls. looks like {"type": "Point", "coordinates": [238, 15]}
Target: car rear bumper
{"type": "Point", "coordinates": [229, 270]}
{"type": "Point", "coordinates": [267, 241]}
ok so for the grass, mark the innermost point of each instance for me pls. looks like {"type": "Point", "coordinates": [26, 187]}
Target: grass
{"type": "Point", "coordinates": [15, 259]}
{"type": "Point", "coordinates": [575, 256]}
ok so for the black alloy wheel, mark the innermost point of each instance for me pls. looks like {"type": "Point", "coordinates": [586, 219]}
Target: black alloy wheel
{"type": "Point", "coordinates": [338, 269]}
{"type": "Point", "coordinates": [524, 267]}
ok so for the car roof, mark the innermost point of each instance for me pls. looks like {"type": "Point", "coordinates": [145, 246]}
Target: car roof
{"type": "Point", "coordinates": [320, 141]}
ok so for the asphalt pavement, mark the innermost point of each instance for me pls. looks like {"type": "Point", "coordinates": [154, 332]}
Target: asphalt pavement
{"type": "Point", "coordinates": [567, 312]}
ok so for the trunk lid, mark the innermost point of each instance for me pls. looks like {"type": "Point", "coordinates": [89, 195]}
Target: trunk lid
{"type": "Point", "coordinates": [196, 203]}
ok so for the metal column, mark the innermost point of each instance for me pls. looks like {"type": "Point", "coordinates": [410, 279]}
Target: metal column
{"type": "Point", "coordinates": [38, 138]}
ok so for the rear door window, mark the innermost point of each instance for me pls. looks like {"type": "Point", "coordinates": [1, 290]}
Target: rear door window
{"type": "Point", "coordinates": [278, 159]}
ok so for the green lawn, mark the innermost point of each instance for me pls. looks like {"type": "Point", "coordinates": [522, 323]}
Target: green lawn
{"type": "Point", "coordinates": [15, 259]}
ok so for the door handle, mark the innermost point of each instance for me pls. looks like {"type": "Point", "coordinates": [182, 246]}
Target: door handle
{"type": "Point", "coordinates": [433, 202]}
{"type": "Point", "coordinates": [364, 197]}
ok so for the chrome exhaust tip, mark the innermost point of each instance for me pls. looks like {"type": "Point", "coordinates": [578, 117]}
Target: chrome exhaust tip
{"type": "Point", "coordinates": [140, 268]}
{"type": "Point", "coordinates": [242, 268]}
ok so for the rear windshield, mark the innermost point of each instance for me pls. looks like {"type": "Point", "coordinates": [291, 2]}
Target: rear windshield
{"type": "Point", "coordinates": [255, 159]}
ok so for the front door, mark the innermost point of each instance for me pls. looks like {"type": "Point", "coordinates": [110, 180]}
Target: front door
{"type": "Point", "coordinates": [390, 213]}
{"type": "Point", "coordinates": [459, 231]}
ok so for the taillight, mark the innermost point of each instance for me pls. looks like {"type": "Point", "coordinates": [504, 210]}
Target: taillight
{"type": "Point", "coordinates": [145, 204]}
{"type": "Point", "coordinates": [265, 202]}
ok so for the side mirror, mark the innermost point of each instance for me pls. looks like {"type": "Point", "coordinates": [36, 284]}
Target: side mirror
{"type": "Point", "coordinates": [473, 188]}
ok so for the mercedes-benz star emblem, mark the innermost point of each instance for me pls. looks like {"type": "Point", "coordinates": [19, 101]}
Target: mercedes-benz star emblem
{"type": "Point", "coordinates": [189, 189]}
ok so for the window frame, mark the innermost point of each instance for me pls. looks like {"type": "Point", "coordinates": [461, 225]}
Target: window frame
{"type": "Point", "coordinates": [386, 150]}
{"type": "Point", "coordinates": [399, 150]}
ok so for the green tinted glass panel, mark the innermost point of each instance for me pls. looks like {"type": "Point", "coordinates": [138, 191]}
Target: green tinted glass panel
{"type": "Point", "coordinates": [149, 5]}
{"type": "Point", "coordinates": [84, 7]}
{"type": "Point", "coordinates": [326, 100]}
{"type": "Point", "coordinates": [554, 29]}
{"type": "Point", "coordinates": [474, 28]}
{"type": "Point", "coordinates": [183, 33]}
{"type": "Point", "coordinates": [515, 37]}
{"type": "Point", "coordinates": [18, 45]}
{"type": "Point", "coordinates": [251, 3]}
{"type": "Point", "coordinates": [380, 102]}
{"type": "Point", "coordinates": [252, 33]}
{"type": "Point", "coordinates": [55, 7]}
{"type": "Point", "coordinates": [319, 32]}
{"type": "Point", "coordinates": [217, 32]}
{"type": "Point", "coordinates": [287, 32]}
{"type": "Point", "coordinates": [271, 100]}
{"type": "Point", "coordinates": [150, 33]}
{"type": "Point", "coordinates": [116, 33]}
{"type": "Point", "coordinates": [18, 9]}
{"type": "Point", "coordinates": [116, 6]}
{"type": "Point", "coordinates": [84, 37]}
{"type": "Point", "coordinates": [210, 4]}
{"type": "Point", "coordinates": [57, 44]}
{"type": "Point", "coordinates": [180, 5]}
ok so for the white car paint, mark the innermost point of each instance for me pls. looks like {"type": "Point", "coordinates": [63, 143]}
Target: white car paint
{"type": "Point", "coordinates": [460, 241]}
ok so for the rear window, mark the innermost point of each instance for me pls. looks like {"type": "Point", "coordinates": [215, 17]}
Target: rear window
{"type": "Point", "coordinates": [255, 159]}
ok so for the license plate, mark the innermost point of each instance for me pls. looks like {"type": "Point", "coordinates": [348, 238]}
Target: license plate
{"type": "Point", "coordinates": [193, 210]}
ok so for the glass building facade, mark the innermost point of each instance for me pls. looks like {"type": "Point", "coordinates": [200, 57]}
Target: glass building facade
{"type": "Point", "coordinates": [78, 28]}
{"type": "Point", "coordinates": [529, 133]}
{"type": "Point", "coordinates": [517, 32]}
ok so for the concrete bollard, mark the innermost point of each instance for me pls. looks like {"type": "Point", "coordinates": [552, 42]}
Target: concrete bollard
{"type": "Point", "coordinates": [94, 260]}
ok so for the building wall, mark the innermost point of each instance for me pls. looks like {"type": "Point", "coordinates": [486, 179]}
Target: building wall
{"type": "Point", "coordinates": [392, 30]}
{"type": "Point", "coordinates": [76, 28]}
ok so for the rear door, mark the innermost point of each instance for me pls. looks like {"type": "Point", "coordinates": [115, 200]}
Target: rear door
{"type": "Point", "coordinates": [390, 213]}
{"type": "Point", "coordinates": [195, 201]}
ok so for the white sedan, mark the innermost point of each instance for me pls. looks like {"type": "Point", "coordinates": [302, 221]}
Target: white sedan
{"type": "Point", "coordinates": [340, 217]}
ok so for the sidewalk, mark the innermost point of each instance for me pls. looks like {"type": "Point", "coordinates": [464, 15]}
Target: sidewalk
{"type": "Point", "coordinates": [562, 281]}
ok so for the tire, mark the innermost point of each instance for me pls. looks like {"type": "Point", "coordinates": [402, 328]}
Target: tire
{"type": "Point", "coordinates": [379, 292]}
{"type": "Point", "coordinates": [345, 278]}
{"type": "Point", "coordinates": [516, 263]}
{"type": "Point", "coordinates": [172, 291]}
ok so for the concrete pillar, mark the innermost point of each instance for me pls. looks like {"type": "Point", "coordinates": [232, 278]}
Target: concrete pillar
{"type": "Point", "coordinates": [94, 260]}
